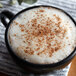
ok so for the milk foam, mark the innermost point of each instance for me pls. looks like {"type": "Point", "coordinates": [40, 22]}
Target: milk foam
{"type": "Point", "coordinates": [42, 35]}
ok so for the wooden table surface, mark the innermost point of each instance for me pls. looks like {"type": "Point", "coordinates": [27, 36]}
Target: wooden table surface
{"type": "Point", "coordinates": [72, 71]}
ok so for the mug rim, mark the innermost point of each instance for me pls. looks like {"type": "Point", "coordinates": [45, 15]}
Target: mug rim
{"type": "Point", "coordinates": [61, 62]}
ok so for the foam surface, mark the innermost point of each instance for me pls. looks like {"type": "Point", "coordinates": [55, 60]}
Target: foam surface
{"type": "Point", "coordinates": [42, 35]}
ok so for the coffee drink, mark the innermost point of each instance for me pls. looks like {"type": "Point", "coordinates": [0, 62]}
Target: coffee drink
{"type": "Point", "coordinates": [42, 35]}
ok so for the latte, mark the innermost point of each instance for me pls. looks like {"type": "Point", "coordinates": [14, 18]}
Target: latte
{"type": "Point", "coordinates": [42, 35]}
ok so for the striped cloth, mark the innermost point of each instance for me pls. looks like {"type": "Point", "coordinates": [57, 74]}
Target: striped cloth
{"type": "Point", "coordinates": [6, 63]}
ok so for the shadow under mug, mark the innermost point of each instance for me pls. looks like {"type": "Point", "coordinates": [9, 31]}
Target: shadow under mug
{"type": "Point", "coordinates": [31, 67]}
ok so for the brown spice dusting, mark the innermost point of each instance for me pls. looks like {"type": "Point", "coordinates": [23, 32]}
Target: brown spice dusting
{"type": "Point", "coordinates": [14, 34]}
{"type": "Point", "coordinates": [40, 52]}
{"type": "Point", "coordinates": [42, 15]}
{"type": "Point", "coordinates": [15, 22]}
{"type": "Point", "coordinates": [26, 51]}
{"type": "Point", "coordinates": [58, 30]}
{"type": "Point", "coordinates": [65, 30]}
{"type": "Point", "coordinates": [58, 20]}
{"type": "Point", "coordinates": [66, 37]}
{"type": "Point", "coordinates": [33, 24]}
{"type": "Point", "coordinates": [41, 10]}
{"type": "Point", "coordinates": [50, 53]}
{"type": "Point", "coordinates": [34, 21]}
{"type": "Point", "coordinates": [22, 30]}
{"type": "Point", "coordinates": [32, 52]}
{"type": "Point", "coordinates": [54, 15]}
{"type": "Point", "coordinates": [54, 45]}
{"type": "Point", "coordinates": [29, 52]}
{"type": "Point", "coordinates": [36, 44]}
{"type": "Point", "coordinates": [27, 47]}
{"type": "Point", "coordinates": [41, 30]}
{"type": "Point", "coordinates": [37, 49]}
{"type": "Point", "coordinates": [39, 40]}
{"type": "Point", "coordinates": [29, 43]}
{"type": "Point", "coordinates": [21, 25]}
{"type": "Point", "coordinates": [52, 50]}
{"type": "Point", "coordinates": [57, 48]}
{"type": "Point", "coordinates": [57, 17]}
{"type": "Point", "coordinates": [24, 41]}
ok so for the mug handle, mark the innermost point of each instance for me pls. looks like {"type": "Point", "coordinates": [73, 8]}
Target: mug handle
{"type": "Point", "coordinates": [4, 15]}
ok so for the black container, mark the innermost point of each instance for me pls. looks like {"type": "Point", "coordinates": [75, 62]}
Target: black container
{"type": "Point", "coordinates": [31, 67]}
